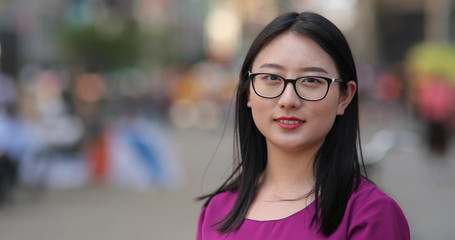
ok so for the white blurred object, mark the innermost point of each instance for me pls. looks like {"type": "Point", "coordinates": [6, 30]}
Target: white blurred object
{"type": "Point", "coordinates": [61, 131]}
{"type": "Point", "coordinates": [50, 162]}
{"type": "Point", "coordinates": [377, 148]}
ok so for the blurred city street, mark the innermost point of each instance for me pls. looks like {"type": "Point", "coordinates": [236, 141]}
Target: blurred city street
{"type": "Point", "coordinates": [116, 115]}
{"type": "Point", "coordinates": [426, 194]}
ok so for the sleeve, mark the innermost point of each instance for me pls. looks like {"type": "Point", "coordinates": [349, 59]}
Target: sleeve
{"type": "Point", "coordinates": [380, 218]}
{"type": "Point", "coordinates": [200, 224]}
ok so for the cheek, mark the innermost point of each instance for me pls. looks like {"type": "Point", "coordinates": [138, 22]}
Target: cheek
{"type": "Point", "coordinates": [260, 110]}
{"type": "Point", "coordinates": [255, 102]}
{"type": "Point", "coordinates": [324, 114]}
{"type": "Point", "coordinates": [258, 106]}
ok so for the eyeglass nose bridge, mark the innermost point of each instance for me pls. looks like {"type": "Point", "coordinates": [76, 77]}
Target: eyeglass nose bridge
{"type": "Point", "coordinates": [286, 81]}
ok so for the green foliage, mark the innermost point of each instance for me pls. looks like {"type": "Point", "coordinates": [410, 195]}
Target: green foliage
{"type": "Point", "coordinates": [99, 50]}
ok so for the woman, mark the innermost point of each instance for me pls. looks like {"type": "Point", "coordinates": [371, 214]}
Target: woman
{"type": "Point", "coordinates": [298, 174]}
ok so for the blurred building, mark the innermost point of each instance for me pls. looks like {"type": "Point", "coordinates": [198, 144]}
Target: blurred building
{"type": "Point", "coordinates": [27, 26]}
{"type": "Point", "coordinates": [401, 24]}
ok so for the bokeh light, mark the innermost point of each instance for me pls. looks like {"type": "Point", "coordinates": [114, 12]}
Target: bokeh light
{"type": "Point", "coordinates": [90, 87]}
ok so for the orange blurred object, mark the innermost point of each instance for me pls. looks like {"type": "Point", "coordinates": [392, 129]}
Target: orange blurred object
{"type": "Point", "coordinates": [98, 158]}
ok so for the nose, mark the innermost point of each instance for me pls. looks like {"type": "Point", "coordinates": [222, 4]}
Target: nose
{"type": "Point", "coordinates": [289, 98]}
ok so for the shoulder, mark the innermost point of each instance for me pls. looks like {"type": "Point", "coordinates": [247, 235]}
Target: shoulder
{"type": "Point", "coordinates": [368, 197]}
{"type": "Point", "coordinates": [373, 213]}
{"type": "Point", "coordinates": [223, 200]}
{"type": "Point", "coordinates": [219, 206]}
{"type": "Point", "coordinates": [367, 191]}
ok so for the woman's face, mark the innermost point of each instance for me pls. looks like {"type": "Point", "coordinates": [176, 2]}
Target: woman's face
{"type": "Point", "coordinates": [289, 122]}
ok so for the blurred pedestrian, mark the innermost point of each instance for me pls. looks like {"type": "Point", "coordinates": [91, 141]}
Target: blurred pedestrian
{"type": "Point", "coordinates": [436, 108]}
{"type": "Point", "coordinates": [298, 174]}
{"type": "Point", "coordinates": [12, 138]}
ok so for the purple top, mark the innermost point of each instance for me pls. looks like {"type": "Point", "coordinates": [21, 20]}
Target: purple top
{"type": "Point", "coordinates": [370, 214]}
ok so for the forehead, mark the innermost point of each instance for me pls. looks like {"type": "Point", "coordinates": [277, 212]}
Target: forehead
{"type": "Point", "coordinates": [294, 53]}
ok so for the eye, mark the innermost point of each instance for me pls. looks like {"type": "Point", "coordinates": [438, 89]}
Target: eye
{"type": "Point", "coordinates": [268, 77]}
{"type": "Point", "coordinates": [272, 77]}
{"type": "Point", "coordinates": [312, 80]}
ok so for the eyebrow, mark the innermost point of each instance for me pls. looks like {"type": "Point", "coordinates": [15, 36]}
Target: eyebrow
{"type": "Point", "coordinates": [305, 69]}
{"type": "Point", "coordinates": [314, 69]}
{"type": "Point", "coordinates": [272, 65]}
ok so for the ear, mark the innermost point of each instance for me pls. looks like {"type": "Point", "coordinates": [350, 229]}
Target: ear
{"type": "Point", "coordinates": [346, 97]}
{"type": "Point", "coordinates": [248, 103]}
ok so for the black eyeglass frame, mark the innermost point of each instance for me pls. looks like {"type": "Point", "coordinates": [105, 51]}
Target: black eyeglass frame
{"type": "Point", "coordinates": [293, 81]}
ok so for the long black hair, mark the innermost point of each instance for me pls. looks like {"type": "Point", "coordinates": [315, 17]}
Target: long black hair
{"type": "Point", "coordinates": [336, 165]}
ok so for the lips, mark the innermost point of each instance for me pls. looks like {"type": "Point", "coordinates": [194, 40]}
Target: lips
{"type": "Point", "coordinates": [289, 123]}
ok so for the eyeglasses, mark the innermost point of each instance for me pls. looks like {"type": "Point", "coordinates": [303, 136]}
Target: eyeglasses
{"type": "Point", "coordinates": [310, 88]}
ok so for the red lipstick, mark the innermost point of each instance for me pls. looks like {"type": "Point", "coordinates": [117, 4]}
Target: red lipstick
{"type": "Point", "coordinates": [289, 123]}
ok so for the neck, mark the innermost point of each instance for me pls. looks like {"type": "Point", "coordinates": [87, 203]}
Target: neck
{"type": "Point", "coordinates": [288, 174]}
